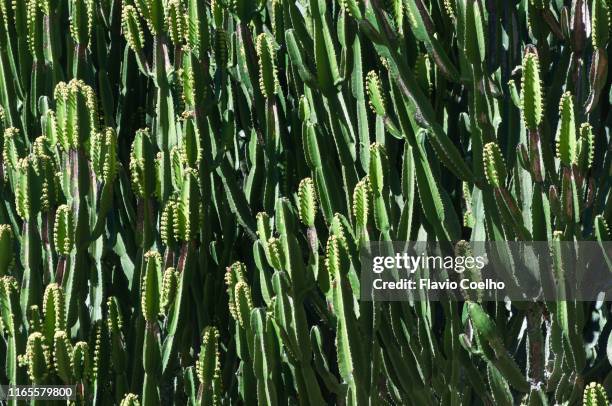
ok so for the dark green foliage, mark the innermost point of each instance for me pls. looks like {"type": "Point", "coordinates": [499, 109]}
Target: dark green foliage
{"type": "Point", "coordinates": [185, 186]}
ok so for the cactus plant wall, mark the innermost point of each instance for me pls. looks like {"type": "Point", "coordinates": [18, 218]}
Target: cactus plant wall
{"type": "Point", "coordinates": [185, 186]}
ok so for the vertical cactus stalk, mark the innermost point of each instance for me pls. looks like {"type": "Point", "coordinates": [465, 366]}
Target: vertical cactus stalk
{"type": "Point", "coordinates": [208, 367]}
{"type": "Point", "coordinates": [150, 310]}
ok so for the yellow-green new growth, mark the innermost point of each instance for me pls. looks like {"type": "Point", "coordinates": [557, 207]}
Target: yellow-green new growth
{"type": "Point", "coordinates": [234, 274]}
{"type": "Point", "coordinates": [150, 288]}
{"type": "Point", "coordinates": [532, 103]}
{"type": "Point", "coordinates": [130, 400]}
{"type": "Point", "coordinates": [600, 23]}
{"type": "Point", "coordinates": [375, 94]}
{"type": "Point", "coordinates": [63, 230]}
{"type": "Point", "coordinates": [176, 22]}
{"type": "Point", "coordinates": [379, 167]}
{"type": "Point", "coordinates": [566, 130]}
{"type": "Point", "coordinates": [208, 366]}
{"type": "Point", "coordinates": [336, 258]}
{"type": "Point", "coordinates": [166, 224]}
{"type": "Point", "coordinates": [264, 232]}
{"type": "Point", "coordinates": [275, 253]}
{"type": "Point", "coordinates": [54, 309]}
{"type": "Point", "coordinates": [169, 288]}
{"type": "Point", "coordinates": [244, 303]}
{"type": "Point", "coordinates": [104, 154]}
{"type": "Point", "coordinates": [142, 165]}
{"type": "Point", "coordinates": [77, 113]}
{"type": "Point", "coordinates": [268, 80]}
{"type": "Point", "coordinates": [495, 167]}
{"type": "Point", "coordinates": [595, 395]}
{"type": "Point", "coordinates": [361, 202]}
{"type": "Point", "coordinates": [10, 153]}
{"type": "Point", "coordinates": [45, 173]}
{"type": "Point", "coordinates": [23, 199]}
{"type": "Point", "coordinates": [37, 358]}
{"type": "Point", "coordinates": [62, 356]}
{"type": "Point", "coordinates": [132, 29]}
{"type": "Point", "coordinates": [188, 208]}
{"type": "Point", "coordinates": [307, 199]}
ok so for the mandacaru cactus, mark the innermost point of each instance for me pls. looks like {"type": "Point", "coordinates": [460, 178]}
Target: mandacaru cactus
{"type": "Point", "coordinates": [187, 186]}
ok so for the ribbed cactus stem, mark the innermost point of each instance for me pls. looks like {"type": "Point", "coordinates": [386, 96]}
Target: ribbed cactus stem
{"type": "Point", "coordinates": [532, 104]}
{"type": "Point", "coordinates": [275, 253]}
{"type": "Point", "coordinates": [244, 303]}
{"type": "Point", "coordinates": [307, 199]}
{"type": "Point", "coordinates": [600, 23]}
{"type": "Point", "coordinates": [595, 395]}
{"type": "Point", "coordinates": [81, 21]}
{"type": "Point", "coordinates": [176, 21]}
{"type": "Point", "coordinates": [362, 202]}
{"type": "Point", "coordinates": [268, 80]}
{"type": "Point", "coordinates": [566, 130]}
{"type": "Point", "coordinates": [150, 288]}
{"type": "Point", "coordinates": [208, 365]}
{"type": "Point", "coordinates": [62, 356]}
{"type": "Point", "coordinates": [131, 28]}
{"type": "Point", "coordinates": [586, 147]}
{"type": "Point", "coordinates": [81, 362]}
{"type": "Point", "coordinates": [264, 231]}
{"type": "Point", "coordinates": [495, 167]}
{"type": "Point", "coordinates": [63, 230]}
{"type": "Point", "coordinates": [54, 310]}
{"type": "Point", "coordinates": [6, 248]}
{"type": "Point", "coordinates": [37, 358]}
{"type": "Point", "coordinates": [170, 283]}
{"type": "Point", "coordinates": [375, 93]}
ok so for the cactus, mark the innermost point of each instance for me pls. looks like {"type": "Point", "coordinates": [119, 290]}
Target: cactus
{"type": "Point", "coordinates": [594, 394]}
{"type": "Point", "coordinates": [187, 189]}
{"type": "Point", "coordinates": [6, 248]}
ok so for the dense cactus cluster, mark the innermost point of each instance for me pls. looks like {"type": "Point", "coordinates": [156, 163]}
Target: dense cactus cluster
{"type": "Point", "coordinates": [186, 185]}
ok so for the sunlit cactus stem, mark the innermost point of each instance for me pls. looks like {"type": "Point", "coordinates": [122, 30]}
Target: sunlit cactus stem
{"type": "Point", "coordinates": [63, 238]}
{"type": "Point", "coordinates": [62, 356]}
{"type": "Point", "coordinates": [594, 395]}
{"type": "Point", "coordinates": [37, 358]}
{"type": "Point", "coordinates": [208, 368]}
{"type": "Point", "coordinates": [11, 318]}
{"type": "Point", "coordinates": [150, 304]}
{"type": "Point", "coordinates": [307, 210]}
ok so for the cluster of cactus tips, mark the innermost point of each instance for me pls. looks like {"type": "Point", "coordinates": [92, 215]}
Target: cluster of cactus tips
{"type": "Point", "coordinates": [186, 187]}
